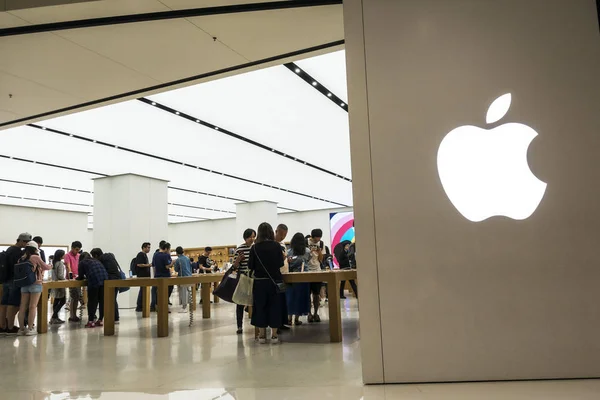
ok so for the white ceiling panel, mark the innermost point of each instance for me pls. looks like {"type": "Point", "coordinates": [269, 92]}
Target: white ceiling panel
{"type": "Point", "coordinates": [45, 193]}
{"type": "Point", "coordinates": [330, 70]}
{"type": "Point", "coordinates": [259, 35]}
{"type": "Point", "coordinates": [195, 50]}
{"type": "Point", "coordinates": [276, 108]}
{"type": "Point", "coordinates": [92, 9]}
{"type": "Point", "coordinates": [145, 128]}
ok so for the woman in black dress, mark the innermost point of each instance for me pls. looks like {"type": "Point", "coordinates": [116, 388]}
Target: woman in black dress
{"type": "Point", "coordinates": [265, 260]}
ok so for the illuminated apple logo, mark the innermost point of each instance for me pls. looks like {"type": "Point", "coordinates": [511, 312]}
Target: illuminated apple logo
{"type": "Point", "coordinates": [485, 172]}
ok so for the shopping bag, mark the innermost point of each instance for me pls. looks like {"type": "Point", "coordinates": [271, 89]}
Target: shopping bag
{"type": "Point", "coordinates": [243, 291]}
{"type": "Point", "coordinates": [227, 286]}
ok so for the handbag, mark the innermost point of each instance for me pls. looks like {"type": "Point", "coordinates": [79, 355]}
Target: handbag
{"type": "Point", "coordinates": [227, 287]}
{"type": "Point", "coordinates": [243, 292]}
{"type": "Point", "coordinates": [24, 274]}
{"type": "Point", "coordinates": [280, 287]}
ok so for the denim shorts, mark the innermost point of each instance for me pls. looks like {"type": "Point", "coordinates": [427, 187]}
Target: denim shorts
{"type": "Point", "coordinates": [11, 295]}
{"type": "Point", "coordinates": [35, 288]}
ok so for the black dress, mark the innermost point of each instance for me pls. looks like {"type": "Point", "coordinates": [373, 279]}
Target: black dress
{"type": "Point", "coordinates": [266, 256]}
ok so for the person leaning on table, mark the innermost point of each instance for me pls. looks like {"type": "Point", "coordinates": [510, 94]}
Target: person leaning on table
{"type": "Point", "coordinates": [142, 270]}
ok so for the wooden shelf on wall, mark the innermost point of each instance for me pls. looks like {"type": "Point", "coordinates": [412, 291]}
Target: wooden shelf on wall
{"type": "Point", "coordinates": [220, 254]}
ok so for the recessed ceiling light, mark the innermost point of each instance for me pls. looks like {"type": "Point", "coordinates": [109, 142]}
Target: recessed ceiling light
{"type": "Point", "coordinates": [297, 70]}
{"type": "Point", "coordinates": [198, 120]}
{"type": "Point", "coordinates": [153, 103]}
{"type": "Point", "coordinates": [71, 135]}
{"type": "Point", "coordinates": [314, 83]}
{"type": "Point", "coordinates": [43, 127]}
{"type": "Point", "coordinates": [342, 104]}
{"type": "Point", "coordinates": [177, 112]}
{"type": "Point", "coordinates": [328, 94]}
{"type": "Point", "coordinates": [216, 127]}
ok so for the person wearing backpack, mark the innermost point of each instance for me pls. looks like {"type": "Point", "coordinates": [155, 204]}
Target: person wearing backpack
{"type": "Point", "coordinates": [11, 295]}
{"type": "Point", "coordinates": [30, 294]}
{"type": "Point", "coordinates": [94, 272]}
{"type": "Point", "coordinates": [113, 270]}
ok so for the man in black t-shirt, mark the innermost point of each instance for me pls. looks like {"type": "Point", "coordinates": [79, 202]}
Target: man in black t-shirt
{"type": "Point", "coordinates": [11, 295]}
{"type": "Point", "coordinates": [143, 270]}
{"type": "Point", "coordinates": [205, 264]}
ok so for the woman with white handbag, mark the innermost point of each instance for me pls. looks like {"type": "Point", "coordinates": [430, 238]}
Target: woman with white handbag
{"type": "Point", "coordinates": [265, 261]}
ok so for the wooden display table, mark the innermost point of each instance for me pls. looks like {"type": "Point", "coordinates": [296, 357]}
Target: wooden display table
{"type": "Point", "coordinates": [42, 311]}
{"type": "Point", "coordinates": [162, 297]}
{"type": "Point", "coordinates": [333, 279]}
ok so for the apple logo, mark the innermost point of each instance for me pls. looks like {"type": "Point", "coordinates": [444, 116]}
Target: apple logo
{"type": "Point", "coordinates": [485, 172]}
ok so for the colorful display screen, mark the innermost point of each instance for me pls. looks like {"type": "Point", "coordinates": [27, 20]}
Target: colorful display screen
{"type": "Point", "coordinates": [342, 228]}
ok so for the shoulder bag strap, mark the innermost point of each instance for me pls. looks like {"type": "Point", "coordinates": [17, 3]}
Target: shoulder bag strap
{"type": "Point", "coordinates": [263, 265]}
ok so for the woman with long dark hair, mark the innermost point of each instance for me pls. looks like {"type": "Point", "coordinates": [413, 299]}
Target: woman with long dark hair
{"type": "Point", "coordinates": [298, 294]}
{"type": "Point", "coordinates": [265, 260]}
{"type": "Point", "coordinates": [30, 295]}
{"type": "Point", "coordinates": [60, 295]}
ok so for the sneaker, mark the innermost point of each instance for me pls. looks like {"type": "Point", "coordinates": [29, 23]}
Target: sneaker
{"type": "Point", "coordinates": [90, 324]}
{"type": "Point", "coordinates": [12, 331]}
{"type": "Point", "coordinates": [31, 332]}
{"type": "Point", "coordinates": [317, 318]}
{"type": "Point", "coordinates": [22, 332]}
{"type": "Point", "coordinates": [152, 309]}
{"type": "Point", "coordinates": [116, 322]}
{"type": "Point", "coordinates": [262, 340]}
{"type": "Point", "coordinates": [310, 318]}
{"type": "Point", "coordinates": [239, 331]}
{"type": "Point", "coordinates": [275, 340]}
{"type": "Point", "coordinates": [138, 310]}
{"type": "Point", "coordinates": [74, 319]}
{"type": "Point", "coordinates": [98, 323]}
{"type": "Point", "coordinates": [183, 311]}
{"type": "Point", "coordinates": [60, 321]}
{"type": "Point", "coordinates": [53, 321]}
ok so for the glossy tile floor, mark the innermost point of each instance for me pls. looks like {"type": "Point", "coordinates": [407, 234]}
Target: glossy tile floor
{"type": "Point", "coordinates": [209, 361]}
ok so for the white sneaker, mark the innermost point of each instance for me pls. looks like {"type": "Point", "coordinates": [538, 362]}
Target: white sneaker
{"type": "Point", "coordinates": [183, 311]}
{"type": "Point", "coordinates": [22, 332]}
{"type": "Point", "coordinates": [31, 332]}
{"type": "Point", "coordinates": [262, 340]}
{"type": "Point", "coordinates": [275, 340]}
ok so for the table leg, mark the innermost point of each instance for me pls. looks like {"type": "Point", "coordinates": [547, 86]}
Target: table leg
{"type": "Point", "coordinates": [146, 293]}
{"type": "Point", "coordinates": [42, 311]}
{"type": "Point", "coordinates": [205, 296]}
{"type": "Point", "coordinates": [194, 298]}
{"type": "Point", "coordinates": [335, 314]}
{"type": "Point", "coordinates": [109, 310]}
{"type": "Point", "coordinates": [215, 285]}
{"type": "Point", "coordinates": [163, 308]}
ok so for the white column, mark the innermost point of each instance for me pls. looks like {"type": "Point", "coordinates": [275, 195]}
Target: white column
{"type": "Point", "coordinates": [444, 298]}
{"type": "Point", "coordinates": [250, 215]}
{"type": "Point", "coordinates": [128, 211]}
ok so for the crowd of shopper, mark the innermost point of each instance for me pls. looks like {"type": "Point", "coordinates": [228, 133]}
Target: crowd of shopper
{"type": "Point", "coordinates": [263, 255]}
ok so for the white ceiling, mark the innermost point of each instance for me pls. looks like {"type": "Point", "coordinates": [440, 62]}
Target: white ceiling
{"type": "Point", "coordinates": [49, 71]}
{"type": "Point", "coordinates": [272, 107]}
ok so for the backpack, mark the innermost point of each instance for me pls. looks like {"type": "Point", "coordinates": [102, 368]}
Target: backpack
{"type": "Point", "coordinates": [24, 274]}
{"type": "Point", "coordinates": [3, 267]}
{"type": "Point", "coordinates": [133, 266]}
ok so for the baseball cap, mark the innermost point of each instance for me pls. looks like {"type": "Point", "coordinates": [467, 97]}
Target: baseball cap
{"type": "Point", "coordinates": [25, 237]}
{"type": "Point", "coordinates": [33, 244]}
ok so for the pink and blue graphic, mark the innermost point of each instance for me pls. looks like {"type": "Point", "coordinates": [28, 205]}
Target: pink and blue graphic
{"type": "Point", "coordinates": [342, 228]}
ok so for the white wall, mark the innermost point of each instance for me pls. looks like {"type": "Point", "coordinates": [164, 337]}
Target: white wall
{"type": "Point", "coordinates": [54, 226]}
{"type": "Point", "coordinates": [449, 299]}
{"type": "Point", "coordinates": [224, 232]}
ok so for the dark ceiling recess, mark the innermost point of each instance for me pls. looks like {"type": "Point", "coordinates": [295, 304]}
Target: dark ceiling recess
{"type": "Point", "coordinates": [239, 137]}
{"type": "Point", "coordinates": [183, 164]}
{"type": "Point", "coordinates": [306, 77]}
{"type": "Point", "coordinates": [164, 15]}
{"type": "Point", "coordinates": [166, 85]}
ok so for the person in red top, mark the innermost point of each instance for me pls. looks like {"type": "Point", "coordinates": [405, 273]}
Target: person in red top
{"type": "Point", "coordinates": [72, 264]}
{"type": "Point", "coordinates": [30, 295]}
